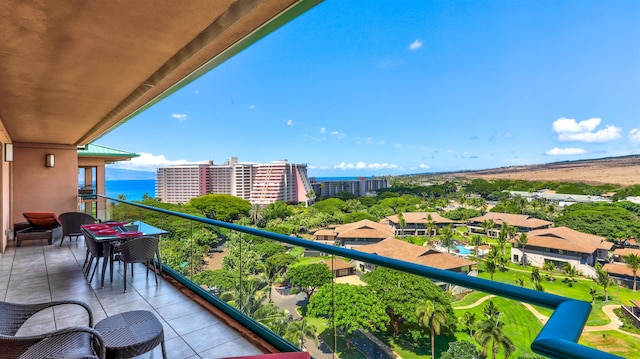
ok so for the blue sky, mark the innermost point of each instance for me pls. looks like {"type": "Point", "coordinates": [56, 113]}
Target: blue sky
{"type": "Point", "coordinates": [395, 87]}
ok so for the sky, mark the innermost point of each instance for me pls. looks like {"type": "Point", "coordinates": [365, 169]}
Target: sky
{"type": "Point", "coordinates": [391, 87]}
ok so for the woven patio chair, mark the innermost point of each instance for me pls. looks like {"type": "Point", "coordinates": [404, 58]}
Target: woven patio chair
{"type": "Point", "coordinates": [71, 222]}
{"type": "Point", "coordinates": [71, 342]}
{"type": "Point", "coordinates": [138, 250]}
{"type": "Point", "coordinates": [95, 251]}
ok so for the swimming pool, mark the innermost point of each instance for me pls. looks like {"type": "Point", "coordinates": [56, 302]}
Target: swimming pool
{"type": "Point", "coordinates": [463, 250]}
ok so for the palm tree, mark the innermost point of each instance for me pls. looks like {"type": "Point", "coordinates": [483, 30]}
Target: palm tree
{"type": "Point", "coordinates": [469, 320]}
{"type": "Point", "coordinates": [521, 280]}
{"type": "Point", "coordinates": [490, 267]}
{"type": "Point", "coordinates": [429, 225]}
{"type": "Point", "coordinates": [522, 242]}
{"type": "Point", "coordinates": [602, 278]}
{"type": "Point", "coordinates": [476, 241]}
{"type": "Point", "coordinates": [633, 261]}
{"type": "Point", "coordinates": [401, 223]}
{"type": "Point", "coordinates": [535, 275]}
{"type": "Point", "coordinates": [432, 315]}
{"type": "Point", "coordinates": [490, 332]}
{"type": "Point", "coordinates": [298, 330]}
{"type": "Point", "coordinates": [256, 214]}
{"type": "Point", "coordinates": [487, 225]}
{"type": "Point", "coordinates": [447, 237]}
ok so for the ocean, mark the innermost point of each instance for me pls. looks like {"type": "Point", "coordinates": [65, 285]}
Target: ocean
{"type": "Point", "coordinates": [133, 190]}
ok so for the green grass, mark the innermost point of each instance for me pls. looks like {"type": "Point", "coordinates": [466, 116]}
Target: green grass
{"type": "Point", "coordinates": [613, 342]}
{"type": "Point", "coordinates": [520, 324]}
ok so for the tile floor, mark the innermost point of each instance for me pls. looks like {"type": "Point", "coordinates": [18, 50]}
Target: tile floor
{"type": "Point", "coordinates": [38, 272]}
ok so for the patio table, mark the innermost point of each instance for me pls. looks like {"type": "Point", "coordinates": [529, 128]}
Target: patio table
{"type": "Point", "coordinates": [118, 234]}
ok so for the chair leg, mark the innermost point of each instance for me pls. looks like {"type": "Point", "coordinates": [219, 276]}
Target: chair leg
{"type": "Point", "coordinates": [62, 240]}
{"type": "Point", "coordinates": [86, 260]}
{"type": "Point", "coordinates": [94, 269]}
{"type": "Point", "coordinates": [125, 276]}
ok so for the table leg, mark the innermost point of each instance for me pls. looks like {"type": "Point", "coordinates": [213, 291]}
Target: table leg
{"type": "Point", "coordinates": [106, 252]}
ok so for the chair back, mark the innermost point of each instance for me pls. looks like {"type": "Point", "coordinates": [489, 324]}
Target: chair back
{"type": "Point", "coordinates": [96, 249]}
{"type": "Point", "coordinates": [141, 249]}
{"type": "Point", "coordinates": [71, 222]}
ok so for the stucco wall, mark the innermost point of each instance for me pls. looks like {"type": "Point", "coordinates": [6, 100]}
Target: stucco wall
{"type": "Point", "coordinates": [5, 191]}
{"type": "Point", "coordinates": [40, 188]}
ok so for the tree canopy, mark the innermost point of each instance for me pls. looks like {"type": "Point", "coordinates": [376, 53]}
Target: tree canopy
{"type": "Point", "coordinates": [223, 207]}
{"type": "Point", "coordinates": [307, 278]}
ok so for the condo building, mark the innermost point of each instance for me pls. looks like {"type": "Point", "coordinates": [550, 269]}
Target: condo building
{"type": "Point", "coordinates": [360, 186]}
{"type": "Point", "coordinates": [258, 183]}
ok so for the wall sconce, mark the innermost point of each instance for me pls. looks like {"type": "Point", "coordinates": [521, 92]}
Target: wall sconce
{"type": "Point", "coordinates": [8, 152]}
{"type": "Point", "coordinates": [49, 160]}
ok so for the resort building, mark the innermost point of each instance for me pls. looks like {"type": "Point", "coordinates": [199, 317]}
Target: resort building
{"type": "Point", "coordinates": [413, 253]}
{"type": "Point", "coordinates": [561, 199]}
{"type": "Point", "coordinates": [361, 186]}
{"type": "Point", "coordinates": [562, 245]}
{"type": "Point", "coordinates": [258, 183]}
{"type": "Point", "coordinates": [523, 223]}
{"type": "Point", "coordinates": [356, 233]}
{"type": "Point", "coordinates": [416, 223]}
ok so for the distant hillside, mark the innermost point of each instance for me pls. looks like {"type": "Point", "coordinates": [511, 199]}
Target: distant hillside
{"type": "Point", "coordinates": [122, 174]}
{"type": "Point", "coordinates": [624, 171]}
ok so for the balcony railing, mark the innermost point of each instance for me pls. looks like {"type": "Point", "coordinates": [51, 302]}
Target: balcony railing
{"type": "Point", "coordinates": [184, 252]}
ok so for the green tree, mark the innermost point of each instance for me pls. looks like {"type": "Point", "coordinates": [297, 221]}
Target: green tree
{"type": "Point", "coordinates": [491, 333]}
{"type": "Point", "coordinates": [469, 320]}
{"type": "Point", "coordinates": [348, 308]}
{"type": "Point", "coordinates": [221, 279]}
{"type": "Point", "coordinates": [522, 243]}
{"type": "Point", "coordinates": [298, 330]}
{"type": "Point", "coordinates": [446, 237]}
{"type": "Point", "coordinates": [535, 275]}
{"type": "Point", "coordinates": [461, 349]}
{"type": "Point", "coordinates": [400, 293]}
{"type": "Point", "coordinates": [256, 215]}
{"type": "Point", "coordinates": [633, 261]}
{"type": "Point", "coordinates": [223, 207]}
{"type": "Point", "coordinates": [487, 225]}
{"type": "Point", "coordinates": [430, 225]}
{"type": "Point", "coordinates": [307, 278]}
{"type": "Point", "coordinates": [602, 278]}
{"type": "Point", "coordinates": [521, 280]}
{"type": "Point", "coordinates": [433, 316]}
{"type": "Point", "coordinates": [490, 267]}
{"type": "Point", "coordinates": [402, 224]}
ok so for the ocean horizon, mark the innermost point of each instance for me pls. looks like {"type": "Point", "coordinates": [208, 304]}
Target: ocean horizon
{"type": "Point", "coordinates": [132, 190]}
{"type": "Point", "coordinates": [135, 189]}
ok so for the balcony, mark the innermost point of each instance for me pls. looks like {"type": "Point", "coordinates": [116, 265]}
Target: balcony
{"type": "Point", "coordinates": [37, 272]}
{"type": "Point", "coordinates": [206, 335]}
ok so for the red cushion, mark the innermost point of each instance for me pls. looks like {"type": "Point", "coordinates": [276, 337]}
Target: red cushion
{"type": "Point", "coordinates": [42, 221]}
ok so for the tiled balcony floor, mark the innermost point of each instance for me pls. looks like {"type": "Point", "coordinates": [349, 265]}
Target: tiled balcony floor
{"type": "Point", "coordinates": [37, 272]}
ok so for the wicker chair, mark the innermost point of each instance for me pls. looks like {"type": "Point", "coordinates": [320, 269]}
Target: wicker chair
{"type": "Point", "coordinates": [71, 222]}
{"type": "Point", "coordinates": [71, 342]}
{"type": "Point", "coordinates": [95, 251]}
{"type": "Point", "coordinates": [138, 250]}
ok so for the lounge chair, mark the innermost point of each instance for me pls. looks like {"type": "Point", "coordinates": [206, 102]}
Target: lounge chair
{"type": "Point", "coordinates": [41, 225]}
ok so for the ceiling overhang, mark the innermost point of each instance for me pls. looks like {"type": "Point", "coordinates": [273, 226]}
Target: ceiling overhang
{"type": "Point", "coordinates": [72, 71]}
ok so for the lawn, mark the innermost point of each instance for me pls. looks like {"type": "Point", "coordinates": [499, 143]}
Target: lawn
{"type": "Point", "coordinates": [520, 324]}
{"type": "Point", "coordinates": [613, 342]}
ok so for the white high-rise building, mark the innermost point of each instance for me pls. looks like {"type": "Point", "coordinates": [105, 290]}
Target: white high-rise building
{"type": "Point", "coordinates": [258, 183]}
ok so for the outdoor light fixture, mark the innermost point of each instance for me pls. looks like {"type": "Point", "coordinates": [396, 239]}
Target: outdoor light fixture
{"type": "Point", "coordinates": [8, 152]}
{"type": "Point", "coordinates": [49, 160]}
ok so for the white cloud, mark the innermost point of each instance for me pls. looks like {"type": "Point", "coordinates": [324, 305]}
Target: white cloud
{"type": "Point", "coordinates": [568, 129]}
{"type": "Point", "coordinates": [339, 135]}
{"type": "Point", "coordinates": [423, 166]}
{"type": "Point", "coordinates": [323, 130]}
{"type": "Point", "coordinates": [565, 151]}
{"type": "Point", "coordinates": [148, 162]}
{"type": "Point", "coordinates": [634, 135]}
{"type": "Point", "coordinates": [314, 167]}
{"type": "Point", "coordinates": [369, 141]}
{"type": "Point", "coordinates": [415, 45]}
{"type": "Point", "coordinates": [251, 107]}
{"type": "Point", "coordinates": [179, 116]}
{"type": "Point", "coordinates": [290, 122]}
{"type": "Point", "coordinates": [362, 165]}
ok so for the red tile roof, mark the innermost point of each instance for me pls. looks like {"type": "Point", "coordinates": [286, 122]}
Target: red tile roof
{"type": "Point", "coordinates": [567, 239]}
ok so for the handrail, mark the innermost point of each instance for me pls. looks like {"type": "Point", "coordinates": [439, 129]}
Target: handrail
{"type": "Point", "coordinates": [557, 339]}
